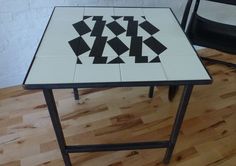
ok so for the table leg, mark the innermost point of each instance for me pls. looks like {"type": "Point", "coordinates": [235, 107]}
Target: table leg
{"type": "Point", "coordinates": [48, 94]}
{"type": "Point", "coordinates": [76, 93]}
{"type": "Point", "coordinates": [173, 89]}
{"type": "Point", "coordinates": [151, 90]}
{"type": "Point", "coordinates": [178, 122]}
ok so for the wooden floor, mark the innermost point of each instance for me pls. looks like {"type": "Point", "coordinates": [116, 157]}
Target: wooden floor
{"type": "Point", "coordinates": [207, 137]}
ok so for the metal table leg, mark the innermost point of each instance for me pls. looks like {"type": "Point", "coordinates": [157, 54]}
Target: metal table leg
{"type": "Point", "coordinates": [76, 93]}
{"type": "Point", "coordinates": [169, 144]}
{"type": "Point", "coordinates": [173, 89]}
{"type": "Point", "coordinates": [151, 90]}
{"type": "Point", "coordinates": [48, 94]}
{"type": "Point", "coordinates": [178, 122]}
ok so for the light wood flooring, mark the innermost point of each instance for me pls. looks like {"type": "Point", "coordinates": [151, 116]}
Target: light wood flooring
{"type": "Point", "coordinates": [207, 137]}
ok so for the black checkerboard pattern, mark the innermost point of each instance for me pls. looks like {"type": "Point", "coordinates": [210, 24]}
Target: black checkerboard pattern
{"type": "Point", "coordinates": [79, 46]}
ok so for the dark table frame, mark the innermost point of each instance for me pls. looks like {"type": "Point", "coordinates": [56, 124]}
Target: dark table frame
{"type": "Point", "coordinates": [66, 149]}
{"type": "Point", "coordinates": [169, 144]}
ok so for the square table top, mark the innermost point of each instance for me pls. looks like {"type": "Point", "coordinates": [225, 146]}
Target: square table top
{"type": "Point", "coordinates": [114, 46]}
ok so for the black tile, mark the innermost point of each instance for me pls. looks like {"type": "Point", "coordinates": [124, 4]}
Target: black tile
{"type": "Point", "coordinates": [98, 46]}
{"type": "Point", "coordinates": [81, 27]}
{"type": "Point", "coordinates": [85, 17]}
{"type": "Point", "coordinates": [118, 46]}
{"type": "Point", "coordinates": [136, 50]}
{"type": "Point", "coordinates": [155, 45]}
{"type": "Point", "coordinates": [116, 17]}
{"type": "Point", "coordinates": [100, 60]}
{"type": "Point", "coordinates": [128, 18]}
{"type": "Point", "coordinates": [155, 60]}
{"type": "Point", "coordinates": [98, 28]}
{"type": "Point", "coordinates": [97, 18]}
{"type": "Point", "coordinates": [148, 27]}
{"type": "Point", "coordinates": [136, 46]}
{"type": "Point", "coordinates": [141, 59]}
{"type": "Point", "coordinates": [117, 60]}
{"type": "Point", "coordinates": [79, 46]}
{"type": "Point", "coordinates": [116, 28]}
{"type": "Point", "coordinates": [132, 29]}
{"type": "Point", "coordinates": [144, 17]}
{"type": "Point", "coordinates": [78, 61]}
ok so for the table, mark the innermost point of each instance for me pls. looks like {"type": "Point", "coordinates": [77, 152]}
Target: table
{"type": "Point", "coordinates": [87, 47]}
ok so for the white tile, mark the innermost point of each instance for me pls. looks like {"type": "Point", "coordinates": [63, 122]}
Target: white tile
{"type": "Point", "coordinates": [139, 18]}
{"type": "Point", "coordinates": [56, 38]}
{"type": "Point", "coordinates": [128, 59]}
{"type": "Point", "coordinates": [85, 59]}
{"type": "Point", "coordinates": [90, 22]}
{"type": "Point", "coordinates": [68, 14]}
{"type": "Point", "coordinates": [125, 39]}
{"type": "Point", "coordinates": [98, 11]}
{"type": "Point", "coordinates": [108, 51]}
{"type": "Point", "coordinates": [146, 51]}
{"type": "Point", "coordinates": [175, 46]}
{"type": "Point", "coordinates": [183, 68]}
{"type": "Point", "coordinates": [170, 34]}
{"type": "Point", "coordinates": [164, 20]}
{"type": "Point", "coordinates": [156, 13]}
{"type": "Point", "coordinates": [48, 70]}
{"type": "Point", "coordinates": [143, 33]}
{"type": "Point", "coordinates": [108, 17]}
{"type": "Point", "coordinates": [60, 31]}
{"type": "Point", "coordinates": [122, 23]}
{"type": "Point", "coordinates": [97, 73]}
{"type": "Point", "coordinates": [110, 58]}
{"type": "Point", "coordinates": [142, 72]}
{"type": "Point", "coordinates": [89, 39]}
{"type": "Point", "coordinates": [108, 33]}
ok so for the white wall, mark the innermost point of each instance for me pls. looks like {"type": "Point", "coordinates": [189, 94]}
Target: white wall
{"type": "Point", "coordinates": [22, 23]}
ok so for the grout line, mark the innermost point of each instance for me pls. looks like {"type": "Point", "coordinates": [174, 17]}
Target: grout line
{"type": "Point", "coordinates": [114, 14]}
{"type": "Point", "coordinates": [74, 71]}
{"type": "Point", "coordinates": [77, 57]}
{"type": "Point", "coordinates": [163, 69]}
{"type": "Point", "coordinates": [120, 73]}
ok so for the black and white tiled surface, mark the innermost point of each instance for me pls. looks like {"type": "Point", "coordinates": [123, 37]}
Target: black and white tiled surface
{"type": "Point", "coordinates": [94, 44]}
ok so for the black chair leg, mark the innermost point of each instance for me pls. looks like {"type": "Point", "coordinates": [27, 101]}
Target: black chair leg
{"type": "Point", "coordinates": [151, 90]}
{"type": "Point", "coordinates": [76, 93]}
{"type": "Point", "coordinates": [172, 92]}
{"type": "Point", "coordinates": [219, 62]}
